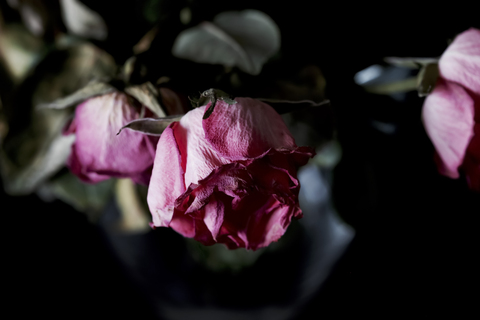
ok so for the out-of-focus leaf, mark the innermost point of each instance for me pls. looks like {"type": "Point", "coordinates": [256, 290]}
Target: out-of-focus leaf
{"type": "Point", "coordinates": [150, 126]}
{"type": "Point", "coordinates": [245, 39]}
{"type": "Point", "coordinates": [328, 155]}
{"type": "Point", "coordinates": [82, 21]}
{"type": "Point", "coordinates": [19, 51]}
{"type": "Point", "coordinates": [134, 214]}
{"type": "Point", "coordinates": [35, 148]}
{"type": "Point", "coordinates": [147, 95]}
{"type": "Point", "coordinates": [81, 64]}
{"type": "Point", "coordinates": [146, 41]}
{"type": "Point", "coordinates": [403, 85]}
{"type": "Point", "coordinates": [39, 17]}
{"type": "Point", "coordinates": [35, 154]}
{"type": "Point", "coordinates": [426, 79]}
{"type": "Point", "coordinates": [94, 88]}
{"type": "Point", "coordinates": [410, 62]}
{"type": "Point", "coordinates": [87, 198]}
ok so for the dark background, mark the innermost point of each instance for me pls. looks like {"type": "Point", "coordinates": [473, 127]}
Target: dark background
{"type": "Point", "coordinates": [416, 232]}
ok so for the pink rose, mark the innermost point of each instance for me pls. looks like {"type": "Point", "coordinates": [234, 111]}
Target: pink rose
{"type": "Point", "coordinates": [98, 153]}
{"type": "Point", "coordinates": [451, 113]}
{"type": "Point", "coordinates": [231, 178]}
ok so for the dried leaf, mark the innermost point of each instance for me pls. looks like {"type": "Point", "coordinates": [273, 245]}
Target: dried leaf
{"type": "Point", "coordinates": [147, 94]}
{"type": "Point", "coordinates": [39, 152]}
{"type": "Point", "coordinates": [92, 89]}
{"type": "Point", "coordinates": [410, 62]}
{"type": "Point", "coordinates": [245, 39]}
{"type": "Point", "coordinates": [82, 21]}
{"type": "Point", "coordinates": [427, 78]}
{"type": "Point", "coordinates": [150, 126]}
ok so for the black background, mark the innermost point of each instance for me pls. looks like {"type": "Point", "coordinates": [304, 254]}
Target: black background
{"type": "Point", "coordinates": [416, 232]}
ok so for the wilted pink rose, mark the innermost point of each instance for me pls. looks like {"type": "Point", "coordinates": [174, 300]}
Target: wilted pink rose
{"type": "Point", "coordinates": [451, 113]}
{"type": "Point", "coordinates": [231, 178]}
{"type": "Point", "coordinates": [98, 153]}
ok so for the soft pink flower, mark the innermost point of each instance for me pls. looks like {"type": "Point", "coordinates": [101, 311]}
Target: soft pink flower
{"type": "Point", "coordinates": [451, 113]}
{"type": "Point", "coordinates": [98, 153]}
{"type": "Point", "coordinates": [231, 178]}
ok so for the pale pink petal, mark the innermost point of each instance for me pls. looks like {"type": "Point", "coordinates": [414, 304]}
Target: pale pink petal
{"type": "Point", "coordinates": [448, 118]}
{"type": "Point", "coordinates": [197, 154]}
{"type": "Point", "coordinates": [166, 183]}
{"type": "Point", "coordinates": [460, 63]}
{"type": "Point", "coordinates": [246, 129]}
{"type": "Point", "coordinates": [98, 153]}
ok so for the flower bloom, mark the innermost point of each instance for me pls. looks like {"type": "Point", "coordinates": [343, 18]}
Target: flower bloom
{"type": "Point", "coordinates": [230, 178]}
{"type": "Point", "coordinates": [451, 113]}
{"type": "Point", "coordinates": [98, 153]}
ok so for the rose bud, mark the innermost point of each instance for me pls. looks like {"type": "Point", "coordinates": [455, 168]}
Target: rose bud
{"type": "Point", "coordinates": [98, 153]}
{"type": "Point", "coordinates": [451, 113]}
{"type": "Point", "coordinates": [230, 178]}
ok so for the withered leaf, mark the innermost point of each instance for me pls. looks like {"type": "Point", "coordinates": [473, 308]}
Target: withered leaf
{"type": "Point", "coordinates": [154, 127]}
{"type": "Point", "coordinates": [427, 78]}
{"type": "Point", "coordinates": [147, 94]}
{"type": "Point", "coordinates": [410, 62]}
{"type": "Point", "coordinates": [94, 88]}
{"type": "Point", "coordinates": [245, 39]}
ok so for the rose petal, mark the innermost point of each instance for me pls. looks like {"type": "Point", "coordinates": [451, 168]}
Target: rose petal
{"type": "Point", "coordinates": [246, 129]}
{"type": "Point", "coordinates": [98, 153]}
{"type": "Point", "coordinates": [166, 182]}
{"type": "Point", "coordinates": [183, 224]}
{"type": "Point", "coordinates": [214, 212]}
{"type": "Point", "coordinates": [197, 155]}
{"type": "Point", "coordinates": [460, 63]}
{"type": "Point", "coordinates": [448, 118]}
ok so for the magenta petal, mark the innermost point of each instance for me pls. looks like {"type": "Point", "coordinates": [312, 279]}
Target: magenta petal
{"type": "Point", "coordinates": [183, 224]}
{"type": "Point", "coordinates": [460, 63]}
{"type": "Point", "coordinates": [214, 213]}
{"type": "Point", "coordinates": [166, 183]}
{"type": "Point", "coordinates": [448, 118]}
{"type": "Point", "coordinates": [246, 129]}
{"type": "Point", "coordinates": [98, 153]}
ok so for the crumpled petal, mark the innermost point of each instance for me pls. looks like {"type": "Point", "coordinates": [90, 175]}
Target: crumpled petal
{"type": "Point", "coordinates": [448, 116]}
{"type": "Point", "coordinates": [246, 129]}
{"type": "Point", "coordinates": [166, 182]}
{"type": "Point", "coordinates": [98, 153]}
{"type": "Point", "coordinates": [460, 63]}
